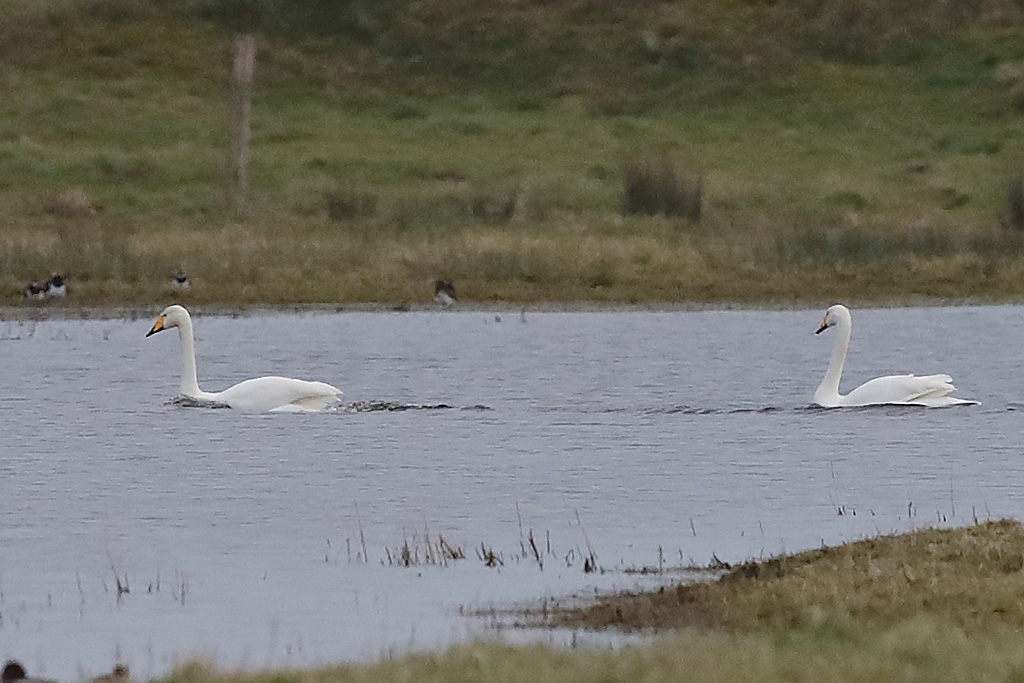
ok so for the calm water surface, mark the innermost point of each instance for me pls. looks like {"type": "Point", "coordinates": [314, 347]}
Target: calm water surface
{"type": "Point", "coordinates": [241, 536]}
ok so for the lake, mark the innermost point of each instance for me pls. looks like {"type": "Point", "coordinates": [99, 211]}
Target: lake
{"type": "Point", "coordinates": [625, 437]}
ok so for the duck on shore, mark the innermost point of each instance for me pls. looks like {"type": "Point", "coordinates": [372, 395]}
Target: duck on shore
{"type": "Point", "coordinates": [180, 281]}
{"type": "Point", "coordinates": [55, 288]}
{"type": "Point", "coordinates": [35, 291]}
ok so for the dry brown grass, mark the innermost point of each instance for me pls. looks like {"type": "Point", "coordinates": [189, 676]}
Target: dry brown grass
{"type": "Point", "coordinates": [970, 578]}
{"type": "Point", "coordinates": [566, 257]}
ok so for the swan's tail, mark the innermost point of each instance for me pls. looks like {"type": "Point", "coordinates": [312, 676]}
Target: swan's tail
{"type": "Point", "coordinates": [934, 392]}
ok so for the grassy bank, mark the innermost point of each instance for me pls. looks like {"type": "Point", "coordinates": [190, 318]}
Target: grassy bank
{"type": "Point", "coordinates": [923, 651]}
{"type": "Point", "coordinates": [968, 578]}
{"type": "Point", "coordinates": [930, 605]}
{"type": "Point", "coordinates": [861, 155]}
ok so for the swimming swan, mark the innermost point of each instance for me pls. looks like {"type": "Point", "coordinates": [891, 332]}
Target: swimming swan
{"type": "Point", "coordinates": [930, 390]}
{"type": "Point", "coordinates": [278, 394]}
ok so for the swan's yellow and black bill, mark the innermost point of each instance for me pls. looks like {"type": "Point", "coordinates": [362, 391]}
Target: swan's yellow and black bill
{"type": "Point", "coordinates": [824, 326]}
{"type": "Point", "coordinates": [157, 326]}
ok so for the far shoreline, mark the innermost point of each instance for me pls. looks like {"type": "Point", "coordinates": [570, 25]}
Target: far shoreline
{"type": "Point", "coordinates": [65, 311]}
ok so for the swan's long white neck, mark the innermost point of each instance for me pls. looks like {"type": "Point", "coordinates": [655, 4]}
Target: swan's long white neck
{"type": "Point", "coordinates": [189, 376]}
{"type": "Point", "coordinates": [829, 387]}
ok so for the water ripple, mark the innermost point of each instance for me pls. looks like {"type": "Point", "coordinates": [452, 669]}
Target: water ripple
{"type": "Point", "coordinates": [392, 406]}
{"type": "Point", "coordinates": [371, 406]}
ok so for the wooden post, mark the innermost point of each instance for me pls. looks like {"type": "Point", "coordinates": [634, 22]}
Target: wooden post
{"type": "Point", "coordinates": [245, 61]}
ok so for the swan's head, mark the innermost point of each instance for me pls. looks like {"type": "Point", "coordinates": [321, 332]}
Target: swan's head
{"type": "Point", "coordinates": [833, 316]}
{"type": "Point", "coordinates": [172, 316]}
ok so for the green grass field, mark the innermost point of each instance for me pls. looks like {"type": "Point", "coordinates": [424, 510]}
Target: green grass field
{"type": "Point", "coordinates": [857, 152]}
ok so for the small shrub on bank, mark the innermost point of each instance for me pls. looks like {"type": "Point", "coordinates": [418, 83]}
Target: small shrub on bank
{"type": "Point", "coordinates": [494, 208]}
{"type": "Point", "coordinates": [73, 203]}
{"type": "Point", "coordinates": [489, 206]}
{"type": "Point", "coordinates": [951, 198]}
{"type": "Point", "coordinates": [848, 200]}
{"type": "Point", "coordinates": [862, 247]}
{"type": "Point", "coordinates": [117, 170]}
{"type": "Point", "coordinates": [654, 185]}
{"type": "Point", "coordinates": [337, 18]}
{"type": "Point", "coordinates": [349, 204]}
{"type": "Point", "coordinates": [1013, 215]}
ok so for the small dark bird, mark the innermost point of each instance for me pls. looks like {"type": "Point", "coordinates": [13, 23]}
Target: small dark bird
{"type": "Point", "coordinates": [14, 672]}
{"type": "Point", "coordinates": [35, 291]}
{"type": "Point", "coordinates": [444, 293]}
{"type": "Point", "coordinates": [55, 287]}
{"type": "Point", "coordinates": [180, 281]}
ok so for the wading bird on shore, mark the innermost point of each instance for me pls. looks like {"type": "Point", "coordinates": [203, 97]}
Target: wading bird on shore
{"type": "Point", "coordinates": [444, 293]}
{"type": "Point", "coordinates": [180, 281]}
{"type": "Point", "coordinates": [55, 288]}
{"type": "Point", "coordinates": [35, 291]}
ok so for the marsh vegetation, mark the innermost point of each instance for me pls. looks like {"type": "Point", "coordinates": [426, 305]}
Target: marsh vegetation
{"type": "Point", "coordinates": [939, 605]}
{"type": "Point", "coordinates": [800, 151]}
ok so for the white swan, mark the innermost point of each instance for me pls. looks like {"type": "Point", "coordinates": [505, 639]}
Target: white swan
{"type": "Point", "coordinates": [278, 394]}
{"type": "Point", "coordinates": [929, 390]}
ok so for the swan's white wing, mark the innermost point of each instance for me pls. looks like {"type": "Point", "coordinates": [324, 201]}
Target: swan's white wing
{"type": "Point", "coordinates": [927, 390]}
{"type": "Point", "coordinates": [329, 397]}
{"type": "Point", "coordinates": [280, 394]}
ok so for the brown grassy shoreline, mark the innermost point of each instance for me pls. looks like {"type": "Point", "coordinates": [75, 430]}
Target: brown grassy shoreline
{"type": "Point", "coordinates": [62, 311]}
{"type": "Point", "coordinates": [930, 605]}
{"type": "Point", "coordinates": [972, 578]}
